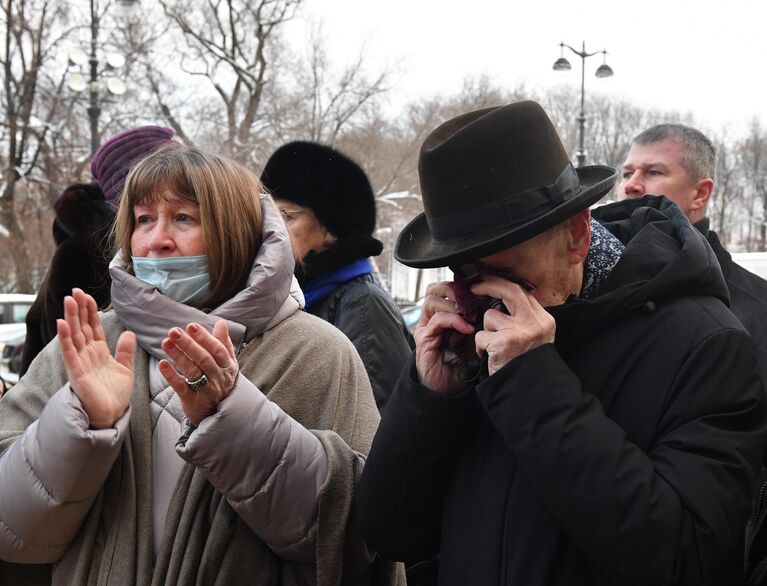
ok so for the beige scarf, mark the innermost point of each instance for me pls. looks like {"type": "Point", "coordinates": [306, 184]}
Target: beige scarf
{"type": "Point", "coordinates": [205, 541]}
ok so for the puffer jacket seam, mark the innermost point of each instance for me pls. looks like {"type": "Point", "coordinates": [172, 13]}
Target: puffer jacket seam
{"type": "Point", "coordinates": [264, 489]}
{"type": "Point", "coordinates": [165, 408]}
{"type": "Point", "coordinates": [17, 542]}
{"type": "Point", "coordinates": [163, 403]}
{"type": "Point", "coordinates": [37, 480]}
{"type": "Point", "coordinates": [310, 537]}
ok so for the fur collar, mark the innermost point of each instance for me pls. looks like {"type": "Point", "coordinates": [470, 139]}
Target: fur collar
{"type": "Point", "coordinates": [341, 253]}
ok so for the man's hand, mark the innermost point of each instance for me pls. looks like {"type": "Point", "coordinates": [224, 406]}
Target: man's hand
{"type": "Point", "coordinates": [505, 337]}
{"type": "Point", "coordinates": [438, 316]}
{"type": "Point", "coordinates": [102, 383]}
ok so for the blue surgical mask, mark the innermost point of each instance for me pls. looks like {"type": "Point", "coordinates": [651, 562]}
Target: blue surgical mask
{"type": "Point", "coordinates": [183, 278]}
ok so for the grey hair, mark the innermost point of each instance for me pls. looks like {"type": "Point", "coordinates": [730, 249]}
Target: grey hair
{"type": "Point", "coordinates": [698, 154]}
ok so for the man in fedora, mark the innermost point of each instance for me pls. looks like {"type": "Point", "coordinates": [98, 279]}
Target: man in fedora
{"type": "Point", "coordinates": [611, 432]}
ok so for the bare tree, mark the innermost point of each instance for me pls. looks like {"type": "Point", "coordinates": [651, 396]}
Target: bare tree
{"type": "Point", "coordinates": [228, 48]}
{"type": "Point", "coordinates": [29, 42]}
{"type": "Point", "coordinates": [611, 123]}
{"type": "Point", "coordinates": [728, 190]}
{"type": "Point", "coordinates": [335, 100]}
{"type": "Point", "coordinates": [754, 153]}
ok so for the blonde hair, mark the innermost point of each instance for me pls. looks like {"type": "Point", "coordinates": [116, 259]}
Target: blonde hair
{"type": "Point", "coordinates": [230, 210]}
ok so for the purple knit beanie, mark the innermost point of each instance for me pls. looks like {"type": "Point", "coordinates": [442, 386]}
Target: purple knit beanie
{"type": "Point", "coordinates": [115, 158]}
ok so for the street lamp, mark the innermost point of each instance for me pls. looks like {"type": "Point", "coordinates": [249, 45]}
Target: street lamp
{"type": "Point", "coordinates": [603, 70]}
{"type": "Point", "coordinates": [114, 60]}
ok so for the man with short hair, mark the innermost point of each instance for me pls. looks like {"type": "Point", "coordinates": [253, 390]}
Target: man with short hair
{"type": "Point", "coordinates": [680, 162]}
{"type": "Point", "coordinates": [582, 407]}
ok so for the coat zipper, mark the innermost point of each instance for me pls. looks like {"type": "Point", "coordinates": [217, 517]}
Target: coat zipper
{"type": "Point", "coordinates": [755, 529]}
{"type": "Point", "coordinates": [759, 503]}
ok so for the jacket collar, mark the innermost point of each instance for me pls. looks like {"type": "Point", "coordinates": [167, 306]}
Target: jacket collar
{"type": "Point", "coordinates": [343, 252]}
{"type": "Point", "coordinates": [271, 294]}
{"type": "Point", "coordinates": [665, 258]}
{"type": "Point", "coordinates": [722, 255]}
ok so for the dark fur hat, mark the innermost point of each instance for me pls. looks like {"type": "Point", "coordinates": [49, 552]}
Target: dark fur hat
{"type": "Point", "coordinates": [324, 180]}
{"type": "Point", "coordinates": [81, 209]}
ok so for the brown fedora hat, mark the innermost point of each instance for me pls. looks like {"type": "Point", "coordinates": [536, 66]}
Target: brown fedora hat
{"type": "Point", "coordinates": [491, 179]}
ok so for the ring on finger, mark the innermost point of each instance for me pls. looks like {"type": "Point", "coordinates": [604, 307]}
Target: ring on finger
{"type": "Point", "coordinates": [197, 383]}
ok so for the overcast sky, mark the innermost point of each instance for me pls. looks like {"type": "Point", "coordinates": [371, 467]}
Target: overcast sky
{"type": "Point", "coordinates": [704, 57]}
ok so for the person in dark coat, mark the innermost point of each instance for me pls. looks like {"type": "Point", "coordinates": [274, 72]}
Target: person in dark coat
{"type": "Point", "coordinates": [84, 216]}
{"type": "Point", "coordinates": [329, 208]}
{"type": "Point", "coordinates": [680, 162]}
{"type": "Point", "coordinates": [612, 431]}
{"type": "Point", "coordinates": [80, 231]}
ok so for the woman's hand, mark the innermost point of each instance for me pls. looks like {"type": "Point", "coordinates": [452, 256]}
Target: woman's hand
{"type": "Point", "coordinates": [102, 383]}
{"type": "Point", "coordinates": [196, 352]}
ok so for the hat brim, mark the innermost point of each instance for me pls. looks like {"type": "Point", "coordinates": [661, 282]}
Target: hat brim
{"type": "Point", "coordinates": [416, 248]}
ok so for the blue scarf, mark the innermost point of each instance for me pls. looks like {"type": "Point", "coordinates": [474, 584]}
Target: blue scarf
{"type": "Point", "coordinates": [317, 290]}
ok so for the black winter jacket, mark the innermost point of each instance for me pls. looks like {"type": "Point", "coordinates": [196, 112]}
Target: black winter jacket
{"type": "Point", "coordinates": [623, 454]}
{"type": "Point", "coordinates": [748, 294]}
{"type": "Point", "coordinates": [367, 314]}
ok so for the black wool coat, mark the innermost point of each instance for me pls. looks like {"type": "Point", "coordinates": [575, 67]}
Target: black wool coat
{"type": "Point", "coordinates": [623, 454]}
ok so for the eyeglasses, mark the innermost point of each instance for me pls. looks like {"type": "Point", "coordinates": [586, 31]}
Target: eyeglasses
{"type": "Point", "coordinates": [287, 215]}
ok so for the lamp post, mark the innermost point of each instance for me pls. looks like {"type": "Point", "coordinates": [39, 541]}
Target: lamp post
{"type": "Point", "coordinates": [603, 70]}
{"type": "Point", "coordinates": [114, 60]}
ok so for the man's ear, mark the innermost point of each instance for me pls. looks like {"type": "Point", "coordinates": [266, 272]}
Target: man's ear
{"type": "Point", "coordinates": [703, 190]}
{"type": "Point", "coordinates": [579, 231]}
